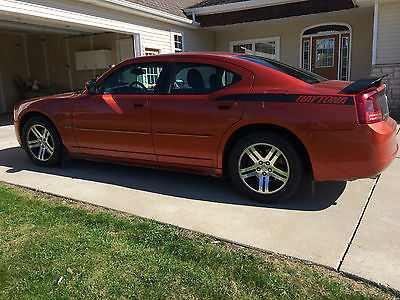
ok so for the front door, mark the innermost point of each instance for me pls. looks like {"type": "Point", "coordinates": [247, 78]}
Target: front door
{"type": "Point", "coordinates": [191, 116]}
{"type": "Point", "coordinates": [117, 120]}
{"type": "Point", "coordinates": [325, 56]}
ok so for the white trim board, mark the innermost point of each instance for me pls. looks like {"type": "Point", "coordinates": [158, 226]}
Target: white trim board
{"type": "Point", "coordinates": [375, 34]}
{"type": "Point", "coordinates": [46, 13]}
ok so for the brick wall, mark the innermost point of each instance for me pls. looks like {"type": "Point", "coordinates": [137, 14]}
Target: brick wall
{"type": "Point", "coordinates": [393, 83]}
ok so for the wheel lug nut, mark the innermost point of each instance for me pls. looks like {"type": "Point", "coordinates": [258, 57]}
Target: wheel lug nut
{"type": "Point", "coordinates": [258, 169]}
{"type": "Point", "coordinates": [269, 170]}
{"type": "Point", "coordinates": [264, 174]}
{"type": "Point", "coordinates": [260, 162]}
{"type": "Point", "coordinates": [267, 162]}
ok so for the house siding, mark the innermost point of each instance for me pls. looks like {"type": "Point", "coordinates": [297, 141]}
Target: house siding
{"type": "Point", "coordinates": [388, 53]}
{"type": "Point", "coordinates": [289, 30]}
{"type": "Point", "coordinates": [153, 33]}
{"type": "Point", "coordinates": [388, 43]}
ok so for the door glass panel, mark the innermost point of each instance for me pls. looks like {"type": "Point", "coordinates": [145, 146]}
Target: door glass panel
{"type": "Point", "coordinates": [306, 54]}
{"type": "Point", "coordinates": [192, 79]}
{"type": "Point", "coordinates": [325, 53]}
{"type": "Point", "coordinates": [345, 59]}
{"type": "Point", "coordinates": [133, 79]}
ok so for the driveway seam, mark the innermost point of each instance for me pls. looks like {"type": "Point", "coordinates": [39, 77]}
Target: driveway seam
{"type": "Point", "coordinates": [358, 223]}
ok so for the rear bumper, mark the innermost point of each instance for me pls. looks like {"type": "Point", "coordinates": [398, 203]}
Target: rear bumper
{"type": "Point", "coordinates": [362, 152]}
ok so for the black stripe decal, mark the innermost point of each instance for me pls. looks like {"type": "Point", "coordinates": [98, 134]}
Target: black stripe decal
{"type": "Point", "coordinates": [290, 98]}
{"type": "Point", "coordinates": [183, 134]}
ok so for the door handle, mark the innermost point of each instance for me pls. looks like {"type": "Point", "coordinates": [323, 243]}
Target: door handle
{"type": "Point", "coordinates": [227, 105]}
{"type": "Point", "coordinates": [224, 106]}
{"type": "Point", "coordinates": [141, 104]}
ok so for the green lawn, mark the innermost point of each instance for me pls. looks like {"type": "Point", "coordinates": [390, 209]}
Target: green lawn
{"type": "Point", "coordinates": [113, 255]}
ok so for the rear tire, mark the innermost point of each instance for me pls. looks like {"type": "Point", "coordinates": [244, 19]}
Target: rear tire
{"type": "Point", "coordinates": [41, 142]}
{"type": "Point", "coordinates": [266, 166]}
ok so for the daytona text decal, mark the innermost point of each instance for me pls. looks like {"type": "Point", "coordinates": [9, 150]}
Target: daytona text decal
{"type": "Point", "coordinates": [322, 99]}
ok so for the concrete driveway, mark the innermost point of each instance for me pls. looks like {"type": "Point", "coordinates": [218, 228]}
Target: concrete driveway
{"type": "Point", "coordinates": [352, 227]}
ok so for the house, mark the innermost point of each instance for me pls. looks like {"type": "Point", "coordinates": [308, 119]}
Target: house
{"type": "Point", "coordinates": [63, 43]}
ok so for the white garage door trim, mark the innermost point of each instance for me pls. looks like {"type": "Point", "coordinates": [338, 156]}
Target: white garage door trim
{"type": "Point", "coordinates": [60, 15]}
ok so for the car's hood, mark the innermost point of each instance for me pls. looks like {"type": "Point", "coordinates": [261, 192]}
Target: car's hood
{"type": "Point", "coordinates": [24, 104]}
{"type": "Point", "coordinates": [51, 97]}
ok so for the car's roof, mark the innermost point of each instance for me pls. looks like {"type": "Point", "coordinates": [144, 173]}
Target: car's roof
{"type": "Point", "coordinates": [191, 54]}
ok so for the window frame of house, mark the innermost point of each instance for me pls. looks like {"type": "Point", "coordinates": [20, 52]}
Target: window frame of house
{"type": "Point", "coordinates": [275, 39]}
{"type": "Point", "coordinates": [173, 48]}
{"type": "Point", "coordinates": [340, 34]}
{"type": "Point", "coordinates": [151, 51]}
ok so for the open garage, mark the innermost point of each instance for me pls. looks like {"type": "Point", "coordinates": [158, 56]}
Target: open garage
{"type": "Point", "coordinates": [49, 47]}
{"type": "Point", "coordinates": [40, 58]}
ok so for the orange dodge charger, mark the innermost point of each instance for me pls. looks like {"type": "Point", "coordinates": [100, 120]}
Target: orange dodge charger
{"type": "Point", "coordinates": [256, 120]}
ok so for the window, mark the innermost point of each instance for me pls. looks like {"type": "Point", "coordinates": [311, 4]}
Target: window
{"type": "Point", "coordinates": [325, 53]}
{"type": "Point", "coordinates": [243, 48]}
{"type": "Point", "coordinates": [284, 68]}
{"type": "Point", "coordinates": [151, 51]}
{"type": "Point", "coordinates": [177, 42]}
{"type": "Point", "coordinates": [306, 54]}
{"type": "Point", "coordinates": [133, 79]}
{"type": "Point", "coordinates": [192, 78]}
{"type": "Point", "coordinates": [344, 72]}
{"type": "Point", "coordinates": [268, 47]}
{"type": "Point", "coordinates": [326, 29]}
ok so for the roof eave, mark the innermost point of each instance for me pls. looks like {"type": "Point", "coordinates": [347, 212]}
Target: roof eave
{"type": "Point", "coordinates": [143, 11]}
{"type": "Point", "coordinates": [242, 5]}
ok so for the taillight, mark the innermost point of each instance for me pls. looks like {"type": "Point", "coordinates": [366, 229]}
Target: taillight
{"type": "Point", "coordinates": [368, 106]}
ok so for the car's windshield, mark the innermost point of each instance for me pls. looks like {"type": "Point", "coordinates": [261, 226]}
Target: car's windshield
{"type": "Point", "coordinates": [284, 68]}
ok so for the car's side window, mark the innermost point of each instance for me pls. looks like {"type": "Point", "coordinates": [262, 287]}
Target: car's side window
{"type": "Point", "coordinates": [134, 79]}
{"type": "Point", "coordinates": [194, 78]}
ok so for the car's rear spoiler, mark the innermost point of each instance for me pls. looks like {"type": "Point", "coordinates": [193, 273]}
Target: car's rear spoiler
{"type": "Point", "coordinates": [363, 84]}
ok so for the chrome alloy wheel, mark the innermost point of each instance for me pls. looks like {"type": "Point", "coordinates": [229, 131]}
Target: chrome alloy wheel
{"type": "Point", "coordinates": [40, 142]}
{"type": "Point", "coordinates": [263, 168]}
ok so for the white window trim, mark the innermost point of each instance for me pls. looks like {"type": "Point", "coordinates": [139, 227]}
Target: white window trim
{"type": "Point", "coordinates": [173, 33]}
{"type": "Point", "coordinates": [275, 39]}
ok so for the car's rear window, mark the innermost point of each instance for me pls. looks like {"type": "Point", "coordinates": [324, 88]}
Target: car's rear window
{"type": "Point", "coordinates": [284, 68]}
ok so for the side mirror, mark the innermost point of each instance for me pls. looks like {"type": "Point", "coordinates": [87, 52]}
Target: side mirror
{"type": "Point", "coordinates": [179, 83]}
{"type": "Point", "coordinates": [91, 87]}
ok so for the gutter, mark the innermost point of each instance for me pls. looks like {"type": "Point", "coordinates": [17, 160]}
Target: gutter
{"type": "Point", "coordinates": [144, 11]}
{"type": "Point", "coordinates": [235, 6]}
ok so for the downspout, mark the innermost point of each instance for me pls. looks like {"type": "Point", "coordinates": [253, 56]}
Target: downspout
{"type": "Point", "coordinates": [193, 17]}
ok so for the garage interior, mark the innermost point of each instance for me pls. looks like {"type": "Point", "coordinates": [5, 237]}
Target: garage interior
{"type": "Point", "coordinates": [41, 59]}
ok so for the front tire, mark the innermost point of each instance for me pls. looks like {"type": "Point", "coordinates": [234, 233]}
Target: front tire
{"type": "Point", "coordinates": [41, 142]}
{"type": "Point", "coordinates": [266, 166]}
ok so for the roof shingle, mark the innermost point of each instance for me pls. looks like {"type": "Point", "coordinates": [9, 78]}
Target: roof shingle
{"type": "Point", "coordinates": [174, 7]}
{"type": "Point", "coordinates": [205, 3]}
